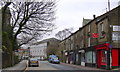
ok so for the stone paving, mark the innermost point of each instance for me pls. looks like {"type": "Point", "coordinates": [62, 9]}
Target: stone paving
{"type": "Point", "coordinates": [21, 66]}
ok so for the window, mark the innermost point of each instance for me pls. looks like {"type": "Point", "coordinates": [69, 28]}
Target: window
{"type": "Point", "coordinates": [88, 28]}
{"type": "Point", "coordinates": [104, 54]}
{"type": "Point", "coordinates": [77, 57]}
{"type": "Point", "coordinates": [89, 42]}
{"type": "Point", "coordinates": [90, 57]}
{"type": "Point", "coordinates": [82, 57]}
{"type": "Point", "coordinates": [101, 27]}
{"type": "Point", "coordinates": [82, 44]}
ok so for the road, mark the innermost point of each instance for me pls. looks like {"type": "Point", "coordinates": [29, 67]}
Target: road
{"type": "Point", "coordinates": [45, 65]}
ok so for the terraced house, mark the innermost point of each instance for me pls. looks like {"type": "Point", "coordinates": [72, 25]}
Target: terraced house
{"type": "Point", "coordinates": [96, 44]}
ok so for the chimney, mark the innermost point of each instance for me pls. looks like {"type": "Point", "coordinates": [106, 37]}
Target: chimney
{"type": "Point", "coordinates": [94, 17]}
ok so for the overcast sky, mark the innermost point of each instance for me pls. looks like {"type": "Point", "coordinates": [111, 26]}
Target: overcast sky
{"type": "Point", "coordinates": [70, 13]}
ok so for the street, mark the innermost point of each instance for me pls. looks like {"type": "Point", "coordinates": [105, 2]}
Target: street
{"type": "Point", "coordinates": [45, 65]}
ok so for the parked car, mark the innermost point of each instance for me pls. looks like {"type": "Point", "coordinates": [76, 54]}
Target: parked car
{"type": "Point", "coordinates": [54, 59]}
{"type": "Point", "coordinates": [33, 62]}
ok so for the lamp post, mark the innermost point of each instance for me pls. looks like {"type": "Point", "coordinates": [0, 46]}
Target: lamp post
{"type": "Point", "coordinates": [29, 51]}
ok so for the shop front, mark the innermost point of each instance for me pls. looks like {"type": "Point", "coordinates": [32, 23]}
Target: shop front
{"type": "Point", "coordinates": [115, 58]}
{"type": "Point", "coordinates": [90, 57]}
{"type": "Point", "coordinates": [71, 57]}
{"type": "Point", "coordinates": [66, 57]}
{"type": "Point", "coordinates": [107, 56]}
{"type": "Point", "coordinates": [102, 58]}
{"type": "Point", "coordinates": [80, 57]}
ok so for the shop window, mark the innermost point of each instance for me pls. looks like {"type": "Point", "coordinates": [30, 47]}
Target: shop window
{"type": "Point", "coordinates": [82, 57]}
{"type": "Point", "coordinates": [90, 57]}
{"type": "Point", "coordinates": [94, 57]}
{"type": "Point", "coordinates": [76, 57]}
{"type": "Point", "coordinates": [104, 55]}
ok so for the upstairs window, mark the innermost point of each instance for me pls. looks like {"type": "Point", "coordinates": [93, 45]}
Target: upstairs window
{"type": "Point", "coordinates": [88, 28]}
{"type": "Point", "coordinates": [102, 32]}
{"type": "Point", "coordinates": [101, 27]}
{"type": "Point", "coordinates": [89, 42]}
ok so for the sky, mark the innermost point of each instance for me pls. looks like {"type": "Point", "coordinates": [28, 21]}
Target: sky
{"type": "Point", "coordinates": [70, 13]}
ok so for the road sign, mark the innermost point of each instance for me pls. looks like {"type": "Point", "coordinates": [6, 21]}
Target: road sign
{"type": "Point", "coordinates": [110, 46]}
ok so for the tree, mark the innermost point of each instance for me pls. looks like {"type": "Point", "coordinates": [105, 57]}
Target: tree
{"type": "Point", "coordinates": [6, 34]}
{"type": "Point", "coordinates": [64, 33]}
{"type": "Point", "coordinates": [53, 46]}
{"type": "Point", "coordinates": [30, 20]}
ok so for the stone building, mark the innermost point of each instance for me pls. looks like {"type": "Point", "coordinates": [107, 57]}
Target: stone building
{"type": "Point", "coordinates": [97, 43]}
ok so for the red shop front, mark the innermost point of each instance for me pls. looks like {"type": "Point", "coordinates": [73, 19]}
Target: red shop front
{"type": "Point", "coordinates": [101, 55]}
{"type": "Point", "coordinates": [115, 57]}
{"type": "Point", "coordinates": [102, 58]}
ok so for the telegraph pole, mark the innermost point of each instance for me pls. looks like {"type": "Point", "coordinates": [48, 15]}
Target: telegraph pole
{"type": "Point", "coordinates": [108, 5]}
{"type": "Point", "coordinates": [109, 50]}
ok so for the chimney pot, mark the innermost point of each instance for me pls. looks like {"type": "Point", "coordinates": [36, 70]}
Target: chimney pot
{"type": "Point", "coordinates": [94, 16]}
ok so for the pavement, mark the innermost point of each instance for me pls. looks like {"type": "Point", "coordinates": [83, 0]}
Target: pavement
{"type": "Point", "coordinates": [90, 68]}
{"type": "Point", "coordinates": [21, 66]}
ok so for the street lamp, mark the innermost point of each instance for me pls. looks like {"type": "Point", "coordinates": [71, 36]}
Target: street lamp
{"type": "Point", "coordinates": [29, 51]}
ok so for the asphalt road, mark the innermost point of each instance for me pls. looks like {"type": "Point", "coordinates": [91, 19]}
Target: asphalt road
{"type": "Point", "coordinates": [45, 66]}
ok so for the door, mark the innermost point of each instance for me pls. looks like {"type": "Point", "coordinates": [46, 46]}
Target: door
{"type": "Point", "coordinates": [99, 58]}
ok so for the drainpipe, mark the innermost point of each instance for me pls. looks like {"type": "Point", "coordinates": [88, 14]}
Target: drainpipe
{"type": "Point", "coordinates": [96, 39]}
{"type": "Point", "coordinates": [109, 58]}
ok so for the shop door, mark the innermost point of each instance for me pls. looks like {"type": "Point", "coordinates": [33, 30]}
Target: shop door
{"type": "Point", "coordinates": [99, 58]}
{"type": "Point", "coordinates": [79, 59]}
{"type": "Point", "coordinates": [69, 56]}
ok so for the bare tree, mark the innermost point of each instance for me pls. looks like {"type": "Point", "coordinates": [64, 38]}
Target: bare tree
{"type": "Point", "coordinates": [61, 35]}
{"type": "Point", "coordinates": [30, 20]}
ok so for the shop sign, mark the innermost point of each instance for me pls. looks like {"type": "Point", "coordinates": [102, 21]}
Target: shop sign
{"type": "Point", "coordinates": [71, 52]}
{"type": "Point", "coordinates": [82, 51]}
{"type": "Point", "coordinates": [110, 46]}
{"type": "Point", "coordinates": [116, 36]}
{"type": "Point", "coordinates": [94, 35]}
{"type": "Point", "coordinates": [116, 28]}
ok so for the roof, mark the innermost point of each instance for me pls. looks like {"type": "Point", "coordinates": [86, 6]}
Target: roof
{"type": "Point", "coordinates": [47, 40]}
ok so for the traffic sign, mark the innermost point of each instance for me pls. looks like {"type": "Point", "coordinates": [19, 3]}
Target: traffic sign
{"type": "Point", "coordinates": [110, 46]}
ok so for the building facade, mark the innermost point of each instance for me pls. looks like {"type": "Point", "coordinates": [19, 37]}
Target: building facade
{"type": "Point", "coordinates": [44, 48]}
{"type": "Point", "coordinates": [96, 44]}
{"type": "Point", "coordinates": [39, 50]}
